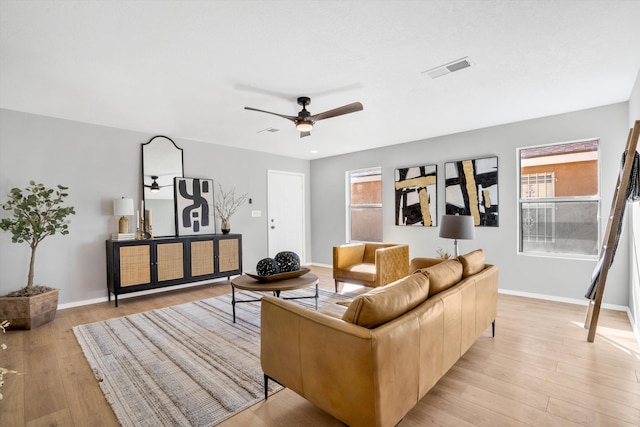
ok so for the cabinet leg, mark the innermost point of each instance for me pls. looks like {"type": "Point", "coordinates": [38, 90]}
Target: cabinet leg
{"type": "Point", "coordinates": [233, 303]}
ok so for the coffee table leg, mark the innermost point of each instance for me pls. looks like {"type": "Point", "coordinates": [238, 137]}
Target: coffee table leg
{"type": "Point", "coordinates": [233, 303]}
{"type": "Point", "coordinates": [316, 296]}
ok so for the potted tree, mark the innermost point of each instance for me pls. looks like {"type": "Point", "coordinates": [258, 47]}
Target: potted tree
{"type": "Point", "coordinates": [37, 213]}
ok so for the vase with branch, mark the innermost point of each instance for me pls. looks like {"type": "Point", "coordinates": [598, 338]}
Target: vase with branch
{"type": "Point", "coordinates": [227, 204]}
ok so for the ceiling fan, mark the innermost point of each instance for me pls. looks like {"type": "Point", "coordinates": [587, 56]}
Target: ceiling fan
{"type": "Point", "coordinates": [305, 120]}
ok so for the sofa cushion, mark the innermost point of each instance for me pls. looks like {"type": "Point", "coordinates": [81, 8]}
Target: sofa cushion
{"type": "Point", "coordinates": [385, 303]}
{"type": "Point", "coordinates": [472, 263]}
{"type": "Point", "coordinates": [365, 272]}
{"type": "Point", "coordinates": [443, 275]}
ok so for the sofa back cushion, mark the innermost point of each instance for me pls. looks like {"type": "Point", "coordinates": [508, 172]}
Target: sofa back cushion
{"type": "Point", "coordinates": [385, 303]}
{"type": "Point", "coordinates": [443, 275]}
{"type": "Point", "coordinates": [472, 263]}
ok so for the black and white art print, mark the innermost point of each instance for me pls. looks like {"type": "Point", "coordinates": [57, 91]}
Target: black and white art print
{"type": "Point", "coordinates": [194, 206]}
{"type": "Point", "coordinates": [471, 188]}
{"type": "Point", "coordinates": [416, 196]}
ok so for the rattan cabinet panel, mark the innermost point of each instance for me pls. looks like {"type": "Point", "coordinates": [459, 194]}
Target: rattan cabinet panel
{"type": "Point", "coordinates": [138, 265]}
{"type": "Point", "coordinates": [134, 265]}
{"type": "Point", "coordinates": [170, 261]}
{"type": "Point", "coordinates": [202, 258]}
{"type": "Point", "coordinates": [229, 255]}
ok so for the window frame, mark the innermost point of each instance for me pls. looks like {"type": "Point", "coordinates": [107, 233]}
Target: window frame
{"type": "Point", "coordinates": [349, 206]}
{"type": "Point", "coordinates": [544, 200]}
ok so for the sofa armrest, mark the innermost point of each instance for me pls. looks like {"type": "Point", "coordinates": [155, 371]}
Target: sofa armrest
{"type": "Point", "coordinates": [326, 360]}
{"type": "Point", "coordinates": [392, 264]}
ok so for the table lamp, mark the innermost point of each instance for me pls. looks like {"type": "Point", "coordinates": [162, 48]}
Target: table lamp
{"type": "Point", "coordinates": [457, 227]}
{"type": "Point", "coordinates": [123, 208]}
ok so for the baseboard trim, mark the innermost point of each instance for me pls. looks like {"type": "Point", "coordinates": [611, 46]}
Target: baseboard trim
{"type": "Point", "coordinates": [137, 294]}
{"type": "Point", "coordinates": [561, 299]}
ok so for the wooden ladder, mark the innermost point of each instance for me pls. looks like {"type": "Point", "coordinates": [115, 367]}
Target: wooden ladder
{"type": "Point", "coordinates": [608, 244]}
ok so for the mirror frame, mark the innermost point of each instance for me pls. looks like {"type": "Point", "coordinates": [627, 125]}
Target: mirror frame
{"type": "Point", "coordinates": [166, 179]}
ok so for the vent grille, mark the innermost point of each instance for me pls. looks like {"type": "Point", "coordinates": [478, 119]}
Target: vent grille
{"type": "Point", "coordinates": [441, 70]}
{"type": "Point", "coordinates": [272, 130]}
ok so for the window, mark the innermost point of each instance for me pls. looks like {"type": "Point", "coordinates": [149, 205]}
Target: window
{"type": "Point", "coordinates": [364, 219]}
{"type": "Point", "coordinates": [559, 199]}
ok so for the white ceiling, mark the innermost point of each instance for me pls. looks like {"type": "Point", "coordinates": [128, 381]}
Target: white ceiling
{"type": "Point", "coordinates": [186, 69]}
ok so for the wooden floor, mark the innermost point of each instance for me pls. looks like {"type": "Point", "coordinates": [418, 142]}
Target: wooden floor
{"type": "Point", "coordinates": [539, 370]}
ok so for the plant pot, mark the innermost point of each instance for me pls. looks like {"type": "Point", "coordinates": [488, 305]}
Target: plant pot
{"type": "Point", "coordinates": [29, 312]}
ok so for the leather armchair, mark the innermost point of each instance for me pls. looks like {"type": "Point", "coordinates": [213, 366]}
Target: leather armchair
{"type": "Point", "coordinates": [370, 264]}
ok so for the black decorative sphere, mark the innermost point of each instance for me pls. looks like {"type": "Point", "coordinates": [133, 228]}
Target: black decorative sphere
{"type": "Point", "coordinates": [288, 261]}
{"type": "Point", "coordinates": [267, 267]}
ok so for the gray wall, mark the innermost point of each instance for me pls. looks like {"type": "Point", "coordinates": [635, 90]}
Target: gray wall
{"type": "Point", "coordinates": [99, 164]}
{"type": "Point", "coordinates": [563, 278]}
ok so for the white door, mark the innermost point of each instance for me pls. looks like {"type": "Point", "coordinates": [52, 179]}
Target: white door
{"type": "Point", "coordinates": [286, 213]}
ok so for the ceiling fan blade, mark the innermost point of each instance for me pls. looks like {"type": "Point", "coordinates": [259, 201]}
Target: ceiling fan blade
{"type": "Point", "coordinates": [292, 118]}
{"type": "Point", "coordinates": [345, 109]}
{"type": "Point", "coordinates": [303, 134]}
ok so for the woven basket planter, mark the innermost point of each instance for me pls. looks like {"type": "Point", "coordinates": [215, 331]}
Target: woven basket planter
{"type": "Point", "coordinates": [29, 312]}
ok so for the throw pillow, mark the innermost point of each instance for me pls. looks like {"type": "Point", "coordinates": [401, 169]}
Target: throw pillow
{"type": "Point", "coordinates": [443, 275]}
{"type": "Point", "coordinates": [472, 263]}
{"type": "Point", "coordinates": [387, 302]}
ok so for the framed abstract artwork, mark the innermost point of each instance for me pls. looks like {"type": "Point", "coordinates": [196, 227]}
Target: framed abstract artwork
{"type": "Point", "coordinates": [416, 196]}
{"type": "Point", "coordinates": [194, 206]}
{"type": "Point", "coordinates": [471, 188]}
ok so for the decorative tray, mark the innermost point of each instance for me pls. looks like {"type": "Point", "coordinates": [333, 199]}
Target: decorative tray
{"type": "Point", "coordinates": [279, 276]}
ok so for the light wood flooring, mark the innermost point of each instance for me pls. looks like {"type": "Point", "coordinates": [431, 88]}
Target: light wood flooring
{"type": "Point", "coordinates": [539, 370]}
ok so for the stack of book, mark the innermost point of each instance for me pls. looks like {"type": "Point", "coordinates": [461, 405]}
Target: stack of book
{"type": "Point", "coordinates": [123, 236]}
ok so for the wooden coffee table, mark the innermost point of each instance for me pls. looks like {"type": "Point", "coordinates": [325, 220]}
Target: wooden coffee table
{"type": "Point", "coordinates": [247, 283]}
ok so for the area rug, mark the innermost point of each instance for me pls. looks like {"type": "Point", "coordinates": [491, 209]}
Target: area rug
{"type": "Point", "coordinates": [186, 365]}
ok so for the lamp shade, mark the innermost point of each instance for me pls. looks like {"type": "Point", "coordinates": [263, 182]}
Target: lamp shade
{"type": "Point", "coordinates": [457, 227]}
{"type": "Point", "coordinates": [123, 207]}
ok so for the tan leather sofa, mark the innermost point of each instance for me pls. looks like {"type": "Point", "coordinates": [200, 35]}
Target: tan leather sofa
{"type": "Point", "coordinates": [370, 264]}
{"type": "Point", "coordinates": [368, 364]}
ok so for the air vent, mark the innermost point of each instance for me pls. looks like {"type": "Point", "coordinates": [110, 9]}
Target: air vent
{"type": "Point", "coordinates": [449, 68]}
{"type": "Point", "coordinates": [269, 130]}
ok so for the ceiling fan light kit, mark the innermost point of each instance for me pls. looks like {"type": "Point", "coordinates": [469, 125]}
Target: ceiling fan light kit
{"type": "Point", "coordinates": [304, 126]}
{"type": "Point", "coordinates": [304, 121]}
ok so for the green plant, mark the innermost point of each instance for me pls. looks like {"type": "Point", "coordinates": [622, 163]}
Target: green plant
{"type": "Point", "coordinates": [37, 214]}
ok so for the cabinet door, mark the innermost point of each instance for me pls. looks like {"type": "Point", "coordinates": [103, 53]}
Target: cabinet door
{"type": "Point", "coordinates": [135, 265]}
{"type": "Point", "coordinates": [202, 260]}
{"type": "Point", "coordinates": [170, 261]}
{"type": "Point", "coordinates": [228, 255]}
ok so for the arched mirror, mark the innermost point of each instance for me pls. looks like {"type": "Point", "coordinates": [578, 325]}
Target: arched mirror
{"type": "Point", "coordinates": [161, 162]}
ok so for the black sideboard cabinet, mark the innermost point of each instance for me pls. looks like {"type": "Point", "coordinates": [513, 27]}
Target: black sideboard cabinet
{"type": "Point", "coordinates": [137, 265]}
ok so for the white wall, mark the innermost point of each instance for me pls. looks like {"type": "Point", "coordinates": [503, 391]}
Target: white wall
{"type": "Point", "coordinates": [633, 218]}
{"type": "Point", "coordinates": [99, 164]}
{"type": "Point", "coordinates": [561, 278]}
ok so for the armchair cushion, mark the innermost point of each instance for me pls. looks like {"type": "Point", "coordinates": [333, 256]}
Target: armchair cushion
{"type": "Point", "coordinates": [385, 303]}
{"type": "Point", "coordinates": [472, 263]}
{"type": "Point", "coordinates": [443, 275]}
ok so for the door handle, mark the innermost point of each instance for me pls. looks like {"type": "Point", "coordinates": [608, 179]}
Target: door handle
{"type": "Point", "coordinates": [273, 226]}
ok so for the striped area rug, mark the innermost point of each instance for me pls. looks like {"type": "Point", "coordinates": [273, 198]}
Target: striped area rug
{"type": "Point", "coordinates": [186, 365]}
